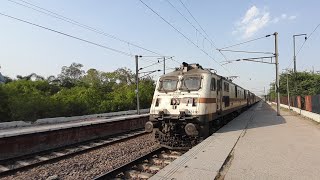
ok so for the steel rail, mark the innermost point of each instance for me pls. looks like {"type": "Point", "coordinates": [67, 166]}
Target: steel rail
{"type": "Point", "coordinates": [81, 148]}
{"type": "Point", "coordinates": [111, 174]}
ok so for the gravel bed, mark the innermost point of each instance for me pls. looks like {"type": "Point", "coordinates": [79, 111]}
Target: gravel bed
{"type": "Point", "coordinates": [93, 163]}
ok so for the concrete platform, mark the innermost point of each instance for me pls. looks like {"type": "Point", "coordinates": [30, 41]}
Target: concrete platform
{"type": "Point", "coordinates": [52, 127]}
{"type": "Point", "coordinates": [28, 140]}
{"type": "Point", "coordinates": [256, 145]}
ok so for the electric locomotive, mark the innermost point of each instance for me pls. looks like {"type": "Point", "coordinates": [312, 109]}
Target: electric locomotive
{"type": "Point", "coordinates": [190, 102]}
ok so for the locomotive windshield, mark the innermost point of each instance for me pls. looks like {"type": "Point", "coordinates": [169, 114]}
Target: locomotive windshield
{"type": "Point", "coordinates": [191, 83]}
{"type": "Point", "coordinates": [168, 84]}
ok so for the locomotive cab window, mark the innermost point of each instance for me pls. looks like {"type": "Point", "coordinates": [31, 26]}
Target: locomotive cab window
{"type": "Point", "coordinates": [219, 85]}
{"type": "Point", "coordinates": [191, 83]}
{"type": "Point", "coordinates": [236, 91]}
{"type": "Point", "coordinates": [213, 84]}
{"type": "Point", "coordinates": [168, 84]}
{"type": "Point", "coordinates": [226, 86]}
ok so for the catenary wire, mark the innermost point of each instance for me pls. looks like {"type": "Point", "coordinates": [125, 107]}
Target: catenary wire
{"type": "Point", "coordinates": [307, 39]}
{"type": "Point", "coordinates": [245, 42]}
{"type": "Point", "coordinates": [239, 51]}
{"type": "Point", "coordinates": [207, 38]}
{"type": "Point", "coordinates": [181, 33]}
{"type": "Point", "coordinates": [76, 23]}
{"type": "Point", "coordinates": [304, 44]}
{"type": "Point", "coordinates": [68, 35]}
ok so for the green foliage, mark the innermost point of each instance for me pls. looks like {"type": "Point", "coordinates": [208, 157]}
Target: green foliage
{"type": "Point", "coordinates": [4, 110]}
{"type": "Point", "coordinates": [300, 84]}
{"type": "Point", "coordinates": [72, 93]}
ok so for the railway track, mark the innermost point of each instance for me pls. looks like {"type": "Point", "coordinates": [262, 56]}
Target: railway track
{"type": "Point", "coordinates": [143, 167]}
{"type": "Point", "coordinates": [10, 166]}
{"type": "Point", "coordinates": [149, 164]}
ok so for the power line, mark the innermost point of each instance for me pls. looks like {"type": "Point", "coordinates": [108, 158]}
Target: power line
{"type": "Point", "coordinates": [238, 44]}
{"type": "Point", "coordinates": [185, 18]}
{"type": "Point", "coordinates": [181, 33]}
{"type": "Point", "coordinates": [253, 52]}
{"type": "Point", "coordinates": [208, 37]}
{"type": "Point", "coordinates": [68, 35]}
{"type": "Point", "coordinates": [205, 38]}
{"type": "Point", "coordinates": [304, 43]}
{"type": "Point", "coordinates": [307, 38]}
{"type": "Point", "coordinates": [210, 40]}
{"type": "Point", "coordinates": [196, 22]}
{"type": "Point", "coordinates": [76, 23]}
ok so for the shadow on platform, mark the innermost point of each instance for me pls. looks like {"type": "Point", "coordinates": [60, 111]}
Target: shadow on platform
{"type": "Point", "coordinates": [262, 115]}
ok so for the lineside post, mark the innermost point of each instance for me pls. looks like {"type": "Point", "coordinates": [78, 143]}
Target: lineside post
{"type": "Point", "coordinates": [277, 72]}
{"type": "Point", "coordinates": [288, 91]}
{"type": "Point", "coordinates": [164, 65]}
{"type": "Point", "coordinates": [137, 82]}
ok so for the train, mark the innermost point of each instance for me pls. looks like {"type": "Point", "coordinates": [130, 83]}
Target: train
{"type": "Point", "coordinates": [191, 102]}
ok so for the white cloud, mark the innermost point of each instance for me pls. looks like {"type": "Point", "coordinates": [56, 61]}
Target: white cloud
{"type": "Point", "coordinates": [250, 14]}
{"type": "Point", "coordinates": [256, 19]}
{"type": "Point", "coordinates": [284, 16]}
{"type": "Point", "coordinates": [256, 24]}
{"type": "Point", "coordinates": [251, 22]}
{"type": "Point", "coordinates": [292, 17]}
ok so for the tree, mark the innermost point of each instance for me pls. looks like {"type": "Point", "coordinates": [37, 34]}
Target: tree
{"type": "Point", "coordinates": [71, 75]}
{"type": "Point", "coordinates": [4, 109]}
{"type": "Point", "coordinates": [32, 76]}
{"type": "Point", "coordinates": [300, 84]}
{"type": "Point", "coordinates": [72, 93]}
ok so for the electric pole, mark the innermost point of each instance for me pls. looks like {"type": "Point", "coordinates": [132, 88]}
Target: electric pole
{"type": "Point", "coordinates": [288, 90]}
{"type": "Point", "coordinates": [277, 72]}
{"type": "Point", "coordinates": [137, 82]}
{"type": "Point", "coordinates": [294, 50]}
{"type": "Point", "coordinates": [164, 65]}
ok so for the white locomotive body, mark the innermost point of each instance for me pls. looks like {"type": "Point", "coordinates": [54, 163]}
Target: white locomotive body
{"type": "Point", "coordinates": [190, 102]}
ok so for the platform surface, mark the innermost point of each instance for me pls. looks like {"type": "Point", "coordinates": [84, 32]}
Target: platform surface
{"type": "Point", "coordinates": [258, 144]}
{"type": "Point", "coordinates": [50, 127]}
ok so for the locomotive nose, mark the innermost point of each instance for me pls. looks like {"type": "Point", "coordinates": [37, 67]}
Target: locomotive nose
{"type": "Point", "coordinates": [191, 129]}
{"type": "Point", "coordinates": [148, 127]}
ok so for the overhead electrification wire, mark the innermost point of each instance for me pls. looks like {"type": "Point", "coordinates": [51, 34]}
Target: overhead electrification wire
{"type": "Point", "coordinates": [76, 23]}
{"type": "Point", "coordinates": [181, 34]}
{"type": "Point", "coordinates": [253, 52]}
{"type": "Point", "coordinates": [68, 35]}
{"type": "Point", "coordinates": [307, 39]}
{"type": "Point", "coordinates": [304, 44]}
{"type": "Point", "coordinates": [151, 65]}
{"type": "Point", "coordinates": [238, 44]}
{"type": "Point", "coordinates": [197, 22]}
{"type": "Point", "coordinates": [185, 18]}
{"type": "Point", "coordinates": [207, 37]}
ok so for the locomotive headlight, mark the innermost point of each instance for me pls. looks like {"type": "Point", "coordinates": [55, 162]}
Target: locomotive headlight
{"type": "Point", "coordinates": [175, 101]}
{"type": "Point", "coordinates": [191, 129]}
{"type": "Point", "coordinates": [148, 126]}
{"type": "Point", "coordinates": [194, 101]}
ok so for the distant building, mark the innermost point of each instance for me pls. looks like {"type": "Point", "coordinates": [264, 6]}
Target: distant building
{"type": "Point", "coordinates": [2, 79]}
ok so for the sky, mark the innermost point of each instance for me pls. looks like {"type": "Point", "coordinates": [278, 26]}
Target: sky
{"type": "Point", "coordinates": [125, 24]}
